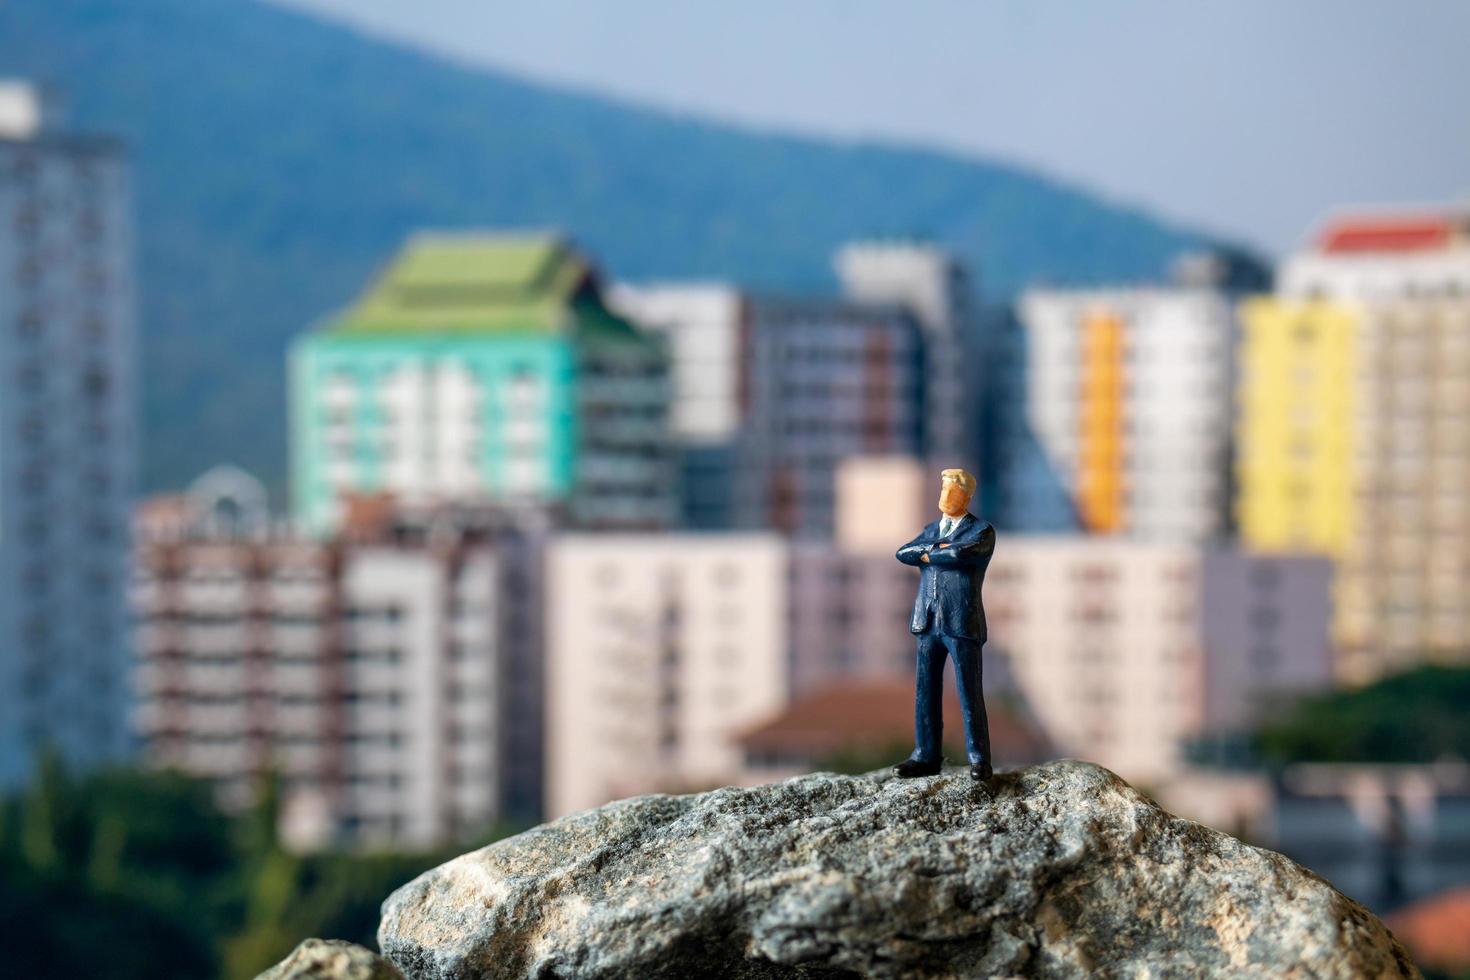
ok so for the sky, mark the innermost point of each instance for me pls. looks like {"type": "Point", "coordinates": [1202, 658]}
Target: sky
{"type": "Point", "coordinates": [1250, 118]}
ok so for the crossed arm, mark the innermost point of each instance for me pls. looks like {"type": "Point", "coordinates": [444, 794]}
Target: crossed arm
{"type": "Point", "coordinates": [948, 553]}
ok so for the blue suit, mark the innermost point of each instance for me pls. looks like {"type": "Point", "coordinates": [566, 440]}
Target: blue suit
{"type": "Point", "coordinates": [949, 619]}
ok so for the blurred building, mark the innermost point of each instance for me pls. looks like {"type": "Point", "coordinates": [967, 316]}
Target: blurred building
{"type": "Point", "coordinates": [872, 721]}
{"type": "Point", "coordinates": [67, 440]}
{"type": "Point", "coordinates": [771, 393]}
{"type": "Point", "coordinates": [1365, 255]}
{"type": "Point", "coordinates": [1264, 622]}
{"type": "Point", "coordinates": [935, 287]}
{"type": "Point", "coordinates": [1353, 432]}
{"type": "Point", "coordinates": [659, 651]}
{"type": "Point", "coordinates": [827, 379]}
{"type": "Point", "coordinates": [704, 330]}
{"type": "Point", "coordinates": [1129, 394]}
{"type": "Point", "coordinates": [1111, 640]}
{"type": "Point", "coordinates": [484, 367]}
{"type": "Point", "coordinates": [1385, 834]}
{"type": "Point", "coordinates": [1297, 408]}
{"type": "Point", "coordinates": [883, 502]}
{"type": "Point", "coordinates": [386, 675]}
{"type": "Point", "coordinates": [849, 616]}
{"type": "Point", "coordinates": [1021, 487]}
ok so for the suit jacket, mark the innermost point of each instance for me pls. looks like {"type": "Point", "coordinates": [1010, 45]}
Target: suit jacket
{"type": "Point", "coordinates": [949, 582]}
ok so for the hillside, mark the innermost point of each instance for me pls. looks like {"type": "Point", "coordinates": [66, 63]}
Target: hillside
{"type": "Point", "coordinates": [278, 159]}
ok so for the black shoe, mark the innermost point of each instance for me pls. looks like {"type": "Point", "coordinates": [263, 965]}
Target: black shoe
{"type": "Point", "coordinates": [909, 768]}
{"type": "Point", "coordinates": [982, 771]}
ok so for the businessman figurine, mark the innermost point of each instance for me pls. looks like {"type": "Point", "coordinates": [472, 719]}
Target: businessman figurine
{"type": "Point", "coordinates": [951, 555]}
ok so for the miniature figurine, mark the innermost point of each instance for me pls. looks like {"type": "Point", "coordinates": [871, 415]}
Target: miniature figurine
{"type": "Point", "coordinates": [951, 555]}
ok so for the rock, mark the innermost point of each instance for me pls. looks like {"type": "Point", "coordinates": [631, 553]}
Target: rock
{"type": "Point", "coordinates": [332, 959]}
{"type": "Point", "coordinates": [1060, 870]}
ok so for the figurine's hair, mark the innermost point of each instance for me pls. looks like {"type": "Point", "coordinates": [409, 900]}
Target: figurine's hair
{"type": "Point", "coordinates": [962, 477]}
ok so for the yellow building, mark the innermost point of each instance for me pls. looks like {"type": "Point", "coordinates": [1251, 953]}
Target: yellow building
{"type": "Point", "coordinates": [1354, 442]}
{"type": "Point", "coordinates": [1296, 422]}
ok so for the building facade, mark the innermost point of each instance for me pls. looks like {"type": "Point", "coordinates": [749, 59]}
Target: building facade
{"type": "Point", "coordinates": [1364, 255]}
{"type": "Point", "coordinates": [1265, 627]}
{"type": "Point", "coordinates": [659, 651]}
{"type": "Point", "coordinates": [935, 287]}
{"type": "Point", "coordinates": [483, 368]}
{"type": "Point", "coordinates": [67, 441]}
{"type": "Point", "coordinates": [1129, 395]}
{"type": "Point", "coordinates": [826, 380]}
{"type": "Point", "coordinates": [1354, 433]}
{"type": "Point", "coordinates": [704, 329]}
{"type": "Point", "coordinates": [379, 674]}
{"type": "Point", "coordinates": [1112, 641]}
{"type": "Point", "coordinates": [1296, 420]}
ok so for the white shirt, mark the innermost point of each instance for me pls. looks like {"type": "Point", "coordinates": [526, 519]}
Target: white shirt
{"type": "Point", "coordinates": [947, 525]}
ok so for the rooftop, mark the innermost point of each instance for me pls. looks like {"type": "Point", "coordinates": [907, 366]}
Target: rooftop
{"type": "Point", "coordinates": [876, 713]}
{"type": "Point", "coordinates": [1391, 232]}
{"type": "Point", "coordinates": [478, 282]}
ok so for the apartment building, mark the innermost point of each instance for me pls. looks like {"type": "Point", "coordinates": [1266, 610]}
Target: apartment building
{"type": "Point", "coordinates": [659, 652]}
{"type": "Point", "coordinates": [1125, 650]}
{"type": "Point", "coordinates": [484, 367]}
{"type": "Point", "coordinates": [386, 675]}
{"type": "Point", "coordinates": [1360, 255]}
{"type": "Point", "coordinates": [1354, 436]}
{"type": "Point", "coordinates": [703, 327]}
{"type": "Point", "coordinates": [935, 287]}
{"type": "Point", "coordinates": [1129, 395]}
{"type": "Point", "coordinates": [67, 440]}
{"type": "Point", "coordinates": [827, 379]}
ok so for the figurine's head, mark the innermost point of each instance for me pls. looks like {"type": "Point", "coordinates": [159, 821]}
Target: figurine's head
{"type": "Point", "coordinates": [956, 487]}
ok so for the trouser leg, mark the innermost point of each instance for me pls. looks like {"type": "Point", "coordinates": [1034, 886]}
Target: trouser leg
{"type": "Point", "coordinates": [928, 699]}
{"type": "Point", "coordinates": [967, 673]}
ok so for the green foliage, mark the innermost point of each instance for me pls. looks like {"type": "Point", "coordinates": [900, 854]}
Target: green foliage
{"type": "Point", "coordinates": [1419, 716]}
{"type": "Point", "coordinates": [127, 874]}
{"type": "Point", "coordinates": [278, 161]}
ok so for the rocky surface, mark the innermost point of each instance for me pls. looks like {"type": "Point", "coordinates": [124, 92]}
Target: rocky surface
{"type": "Point", "coordinates": [332, 959]}
{"type": "Point", "coordinates": [1061, 870]}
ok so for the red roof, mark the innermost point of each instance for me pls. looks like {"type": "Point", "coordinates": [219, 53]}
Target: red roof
{"type": "Point", "coordinates": [1437, 930]}
{"type": "Point", "coordinates": [1388, 234]}
{"type": "Point", "coordinates": [877, 713]}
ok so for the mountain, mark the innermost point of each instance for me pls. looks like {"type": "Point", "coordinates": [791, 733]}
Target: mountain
{"type": "Point", "coordinates": [278, 160]}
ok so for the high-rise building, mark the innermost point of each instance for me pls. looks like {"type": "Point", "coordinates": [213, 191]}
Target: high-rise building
{"type": "Point", "coordinates": [67, 440]}
{"type": "Point", "coordinates": [1295, 420]}
{"type": "Point", "coordinates": [1021, 486]}
{"type": "Point", "coordinates": [484, 368]}
{"type": "Point", "coordinates": [826, 380]}
{"type": "Point", "coordinates": [386, 676]}
{"type": "Point", "coordinates": [704, 329]}
{"type": "Point", "coordinates": [1129, 394]}
{"type": "Point", "coordinates": [934, 286]}
{"type": "Point", "coordinates": [1353, 433]}
{"type": "Point", "coordinates": [659, 652]}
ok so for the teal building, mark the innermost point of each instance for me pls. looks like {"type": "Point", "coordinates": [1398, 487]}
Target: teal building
{"type": "Point", "coordinates": [483, 368]}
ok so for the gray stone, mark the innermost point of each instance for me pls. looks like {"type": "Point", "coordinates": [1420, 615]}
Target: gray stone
{"type": "Point", "coordinates": [332, 959]}
{"type": "Point", "coordinates": [1061, 870]}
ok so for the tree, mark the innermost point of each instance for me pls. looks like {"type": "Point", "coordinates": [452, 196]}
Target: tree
{"type": "Point", "coordinates": [1418, 716]}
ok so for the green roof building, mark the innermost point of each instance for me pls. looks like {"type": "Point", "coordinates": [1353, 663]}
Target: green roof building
{"type": "Point", "coordinates": [483, 367]}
